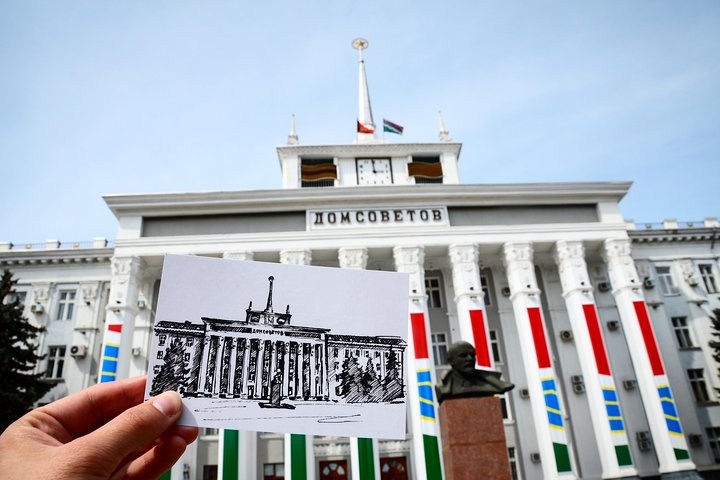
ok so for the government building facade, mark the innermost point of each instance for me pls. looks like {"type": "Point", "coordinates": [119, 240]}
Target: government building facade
{"type": "Point", "coordinates": [602, 325]}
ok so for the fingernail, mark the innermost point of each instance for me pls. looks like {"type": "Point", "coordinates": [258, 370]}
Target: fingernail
{"type": "Point", "coordinates": [168, 403]}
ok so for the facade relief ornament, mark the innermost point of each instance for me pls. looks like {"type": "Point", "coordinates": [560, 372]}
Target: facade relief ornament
{"type": "Point", "coordinates": [89, 291]}
{"type": "Point", "coordinates": [518, 260]}
{"type": "Point", "coordinates": [125, 282]}
{"type": "Point", "coordinates": [570, 258]}
{"type": "Point", "coordinates": [296, 257]}
{"type": "Point", "coordinates": [353, 257]}
{"type": "Point", "coordinates": [465, 269]}
{"type": "Point", "coordinates": [239, 255]}
{"type": "Point", "coordinates": [411, 260]}
{"type": "Point", "coordinates": [621, 268]}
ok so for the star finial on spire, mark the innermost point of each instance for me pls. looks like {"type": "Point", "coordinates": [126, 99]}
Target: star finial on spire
{"type": "Point", "coordinates": [293, 136]}
{"type": "Point", "coordinates": [366, 125]}
{"type": "Point", "coordinates": [443, 134]}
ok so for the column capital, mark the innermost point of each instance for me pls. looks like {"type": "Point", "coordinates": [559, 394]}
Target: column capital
{"type": "Point", "coordinates": [411, 259]}
{"type": "Point", "coordinates": [353, 257]}
{"type": "Point", "coordinates": [570, 259]}
{"type": "Point", "coordinates": [465, 270]}
{"type": "Point", "coordinates": [124, 284]}
{"type": "Point", "coordinates": [621, 267]}
{"type": "Point", "coordinates": [239, 255]}
{"type": "Point", "coordinates": [518, 261]}
{"type": "Point", "coordinates": [300, 256]}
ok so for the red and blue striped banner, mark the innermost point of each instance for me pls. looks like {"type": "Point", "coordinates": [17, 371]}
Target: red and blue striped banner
{"type": "Point", "coordinates": [672, 419]}
{"type": "Point", "coordinates": [110, 353]}
{"type": "Point", "coordinates": [426, 397]}
{"type": "Point", "coordinates": [550, 392]}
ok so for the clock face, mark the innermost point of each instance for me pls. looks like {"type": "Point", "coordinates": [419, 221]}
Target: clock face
{"type": "Point", "coordinates": [374, 171]}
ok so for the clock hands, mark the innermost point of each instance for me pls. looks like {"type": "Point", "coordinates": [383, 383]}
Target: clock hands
{"type": "Point", "coordinates": [373, 166]}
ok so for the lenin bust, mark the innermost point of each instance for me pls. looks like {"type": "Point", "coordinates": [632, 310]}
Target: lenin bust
{"type": "Point", "coordinates": [464, 380]}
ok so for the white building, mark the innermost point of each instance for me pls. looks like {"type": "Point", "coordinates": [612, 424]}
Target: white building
{"type": "Point", "coordinates": [603, 327]}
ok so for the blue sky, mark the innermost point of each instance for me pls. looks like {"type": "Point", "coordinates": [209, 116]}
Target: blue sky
{"type": "Point", "coordinates": [135, 96]}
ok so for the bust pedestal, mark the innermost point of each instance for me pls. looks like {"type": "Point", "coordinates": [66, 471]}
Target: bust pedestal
{"type": "Point", "coordinates": [473, 439]}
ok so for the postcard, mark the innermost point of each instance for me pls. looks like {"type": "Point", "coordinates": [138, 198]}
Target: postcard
{"type": "Point", "coordinates": [282, 348]}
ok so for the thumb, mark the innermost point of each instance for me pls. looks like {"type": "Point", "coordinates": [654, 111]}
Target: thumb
{"type": "Point", "coordinates": [133, 429]}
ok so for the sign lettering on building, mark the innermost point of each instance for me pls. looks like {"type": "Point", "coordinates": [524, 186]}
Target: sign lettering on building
{"type": "Point", "coordinates": [376, 217]}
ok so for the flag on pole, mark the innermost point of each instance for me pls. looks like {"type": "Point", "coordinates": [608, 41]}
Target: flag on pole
{"type": "Point", "coordinates": [363, 129]}
{"type": "Point", "coordinates": [391, 127]}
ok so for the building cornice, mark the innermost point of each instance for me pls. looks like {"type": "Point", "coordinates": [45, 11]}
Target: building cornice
{"type": "Point", "coordinates": [701, 234]}
{"type": "Point", "coordinates": [368, 149]}
{"type": "Point", "coordinates": [56, 257]}
{"type": "Point", "coordinates": [247, 201]}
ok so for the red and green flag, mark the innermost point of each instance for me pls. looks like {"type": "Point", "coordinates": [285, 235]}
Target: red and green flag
{"type": "Point", "coordinates": [364, 129]}
{"type": "Point", "coordinates": [391, 127]}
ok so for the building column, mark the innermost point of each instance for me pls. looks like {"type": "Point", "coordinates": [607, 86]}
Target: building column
{"type": "Point", "coordinates": [237, 450]}
{"type": "Point", "coordinates": [299, 454]}
{"type": "Point", "coordinates": [421, 379]}
{"type": "Point", "coordinates": [470, 302]}
{"type": "Point", "coordinates": [663, 418]}
{"type": "Point", "coordinates": [364, 460]}
{"type": "Point", "coordinates": [605, 412]}
{"type": "Point", "coordinates": [121, 311]}
{"type": "Point", "coordinates": [540, 374]}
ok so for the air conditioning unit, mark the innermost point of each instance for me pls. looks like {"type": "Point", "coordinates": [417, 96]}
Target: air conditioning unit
{"type": "Point", "coordinates": [643, 435]}
{"type": "Point", "coordinates": [648, 283]}
{"type": "Point", "coordinates": [505, 291]}
{"type": "Point", "coordinates": [579, 388]}
{"type": "Point", "coordinates": [524, 393]}
{"type": "Point", "coordinates": [645, 445]}
{"type": "Point", "coordinates": [604, 286]}
{"type": "Point", "coordinates": [577, 379]}
{"type": "Point", "coordinates": [535, 457]}
{"type": "Point", "coordinates": [566, 335]}
{"type": "Point", "coordinates": [629, 384]}
{"type": "Point", "coordinates": [78, 351]}
{"type": "Point", "coordinates": [613, 325]}
{"type": "Point", "coordinates": [692, 280]}
{"type": "Point", "coordinates": [695, 440]}
{"type": "Point", "coordinates": [37, 308]}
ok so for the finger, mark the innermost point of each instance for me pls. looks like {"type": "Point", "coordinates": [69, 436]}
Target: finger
{"type": "Point", "coordinates": [156, 461]}
{"type": "Point", "coordinates": [88, 409]}
{"type": "Point", "coordinates": [136, 427]}
{"type": "Point", "coordinates": [189, 434]}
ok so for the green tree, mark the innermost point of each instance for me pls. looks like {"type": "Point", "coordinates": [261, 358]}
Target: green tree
{"type": "Point", "coordinates": [392, 383]}
{"type": "Point", "coordinates": [21, 388]}
{"type": "Point", "coordinates": [372, 390]}
{"type": "Point", "coordinates": [351, 381]}
{"type": "Point", "coordinates": [715, 344]}
{"type": "Point", "coordinates": [173, 374]}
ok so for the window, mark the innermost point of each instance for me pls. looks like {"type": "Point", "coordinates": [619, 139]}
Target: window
{"type": "Point", "coordinates": [19, 296]}
{"type": "Point", "coordinates": [485, 290]}
{"type": "Point", "coordinates": [440, 348]}
{"type": "Point", "coordinates": [495, 346]}
{"type": "Point", "coordinates": [273, 471]}
{"type": "Point", "coordinates": [186, 357]}
{"type": "Point", "coordinates": [210, 472]}
{"type": "Point", "coordinates": [505, 407]}
{"type": "Point", "coordinates": [426, 169]}
{"type": "Point", "coordinates": [682, 332]}
{"type": "Point", "coordinates": [665, 279]}
{"type": "Point", "coordinates": [713, 435]}
{"type": "Point", "coordinates": [189, 341]}
{"type": "Point", "coordinates": [432, 287]}
{"type": "Point", "coordinates": [333, 470]}
{"type": "Point", "coordinates": [393, 468]}
{"type": "Point", "coordinates": [66, 305]}
{"type": "Point", "coordinates": [708, 279]}
{"type": "Point", "coordinates": [56, 361]}
{"type": "Point", "coordinates": [210, 432]}
{"type": "Point", "coordinates": [514, 472]}
{"type": "Point", "coordinates": [317, 172]}
{"type": "Point", "coordinates": [698, 384]}
{"type": "Point", "coordinates": [159, 355]}
{"type": "Point", "coordinates": [161, 340]}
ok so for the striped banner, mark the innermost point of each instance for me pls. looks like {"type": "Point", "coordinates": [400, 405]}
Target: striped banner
{"type": "Point", "coordinates": [428, 417]}
{"type": "Point", "coordinates": [480, 337]}
{"type": "Point", "coordinates": [607, 385]}
{"type": "Point", "coordinates": [672, 419]}
{"type": "Point", "coordinates": [110, 353]}
{"type": "Point", "coordinates": [550, 392]}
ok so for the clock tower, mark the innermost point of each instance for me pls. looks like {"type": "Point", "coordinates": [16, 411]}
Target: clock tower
{"type": "Point", "coordinates": [368, 161]}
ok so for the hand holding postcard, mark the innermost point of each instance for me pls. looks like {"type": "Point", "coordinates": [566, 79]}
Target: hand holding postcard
{"type": "Point", "coordinates": [282, 348]}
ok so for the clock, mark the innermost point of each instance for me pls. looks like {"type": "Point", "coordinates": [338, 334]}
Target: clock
{"type": "Point", "coordinates": [374, 171]}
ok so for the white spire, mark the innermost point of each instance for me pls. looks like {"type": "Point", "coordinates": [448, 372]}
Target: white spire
{"type": "Point", "coordinates": [443, 134]}
{"type": "Point", "coordinates": [365, 116]}
{"type": "Point", "coordinates": [293, 137]}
